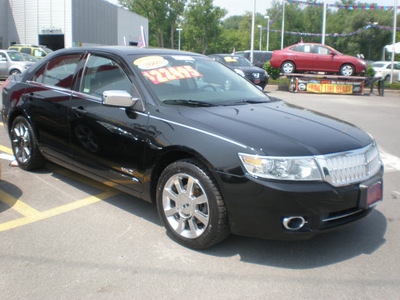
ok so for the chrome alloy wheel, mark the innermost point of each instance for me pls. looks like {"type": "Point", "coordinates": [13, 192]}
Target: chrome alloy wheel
{"type": "Point", "coordinates": [347, 70]}
{"type": "Point", "coordinates": [21, 142]}
{"type": "Point", "coordinates": [288, 67]}
{"type": "Point", "coordinates": [186, 206]}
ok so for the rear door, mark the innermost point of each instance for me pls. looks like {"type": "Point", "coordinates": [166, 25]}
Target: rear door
{"type": "Point", "coordinates": [303, 57]}
{"type": "Point", "coordinates": [108, 142]}
{"type": "Point", "coordinates": [47, 99]}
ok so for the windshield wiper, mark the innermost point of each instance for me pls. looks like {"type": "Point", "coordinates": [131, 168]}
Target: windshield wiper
{"type": "Point", "coordinates": [189, 102]}
{"type": "Point", "coordinates": [252, 101]}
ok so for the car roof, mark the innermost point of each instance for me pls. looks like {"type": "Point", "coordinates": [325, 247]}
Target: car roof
{"type": "Point", "coordinates": [127, 50]}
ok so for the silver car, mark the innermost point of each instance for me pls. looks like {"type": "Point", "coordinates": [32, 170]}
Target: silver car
{"type": "Point", "coordinates": [12, 62]}
{"type": "Point", "coordinates": [383, 69]}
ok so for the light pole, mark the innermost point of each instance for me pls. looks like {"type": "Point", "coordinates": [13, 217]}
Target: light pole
{"type": "Point", "coordinates": [283, 23]}
{"type": "Point", "coordinates": [179, 38]}
{"type": "Point", "coordinates": [259, 26]}
{"type": "Point", "coordinates": [267, 17]}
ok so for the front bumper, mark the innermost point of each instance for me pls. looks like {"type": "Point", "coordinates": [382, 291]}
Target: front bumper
{"type": "Point", "coordinates": [256, 208]}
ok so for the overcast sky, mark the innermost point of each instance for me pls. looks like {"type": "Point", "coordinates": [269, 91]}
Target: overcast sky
{"type": "Point", "coordinates": [239, 7]}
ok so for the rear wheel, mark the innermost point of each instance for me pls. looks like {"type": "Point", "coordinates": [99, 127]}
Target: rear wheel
{"type": "Point", "coordinates": [191, 206]}
{"type": "Point", "coordinates": [24, 144]}
{"type": "Point", "coordinates": [288, 67]}
{"type": "Point", "coordinates": [347, 70]}
{"type": "Point", "coordinates": [387, 78]}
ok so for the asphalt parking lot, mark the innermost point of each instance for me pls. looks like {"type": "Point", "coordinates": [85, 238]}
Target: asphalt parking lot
{"type": "Point", "coordinates": [67, 237]}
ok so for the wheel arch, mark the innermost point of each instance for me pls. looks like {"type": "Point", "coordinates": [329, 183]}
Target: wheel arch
{"type": "Point", "coordinates": [14, 69]}
{"type": "Point", "coordinates": [168, 157]}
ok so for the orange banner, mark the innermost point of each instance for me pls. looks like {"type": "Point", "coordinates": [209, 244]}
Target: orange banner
{"type": "Point", "coordinates": [329, 88]}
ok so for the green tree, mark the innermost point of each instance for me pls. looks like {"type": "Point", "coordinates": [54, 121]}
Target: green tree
{"type": "Point", "coordinates": [201, 25]}
{"type": "Point", "coordinates": [163, 16]}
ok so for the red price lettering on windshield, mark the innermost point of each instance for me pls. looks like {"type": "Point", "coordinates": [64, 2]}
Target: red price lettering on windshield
{"type": "Point", "coordinates": [163, 75]}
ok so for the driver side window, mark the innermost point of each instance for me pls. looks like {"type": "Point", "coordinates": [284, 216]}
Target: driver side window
{"type": "Point", "coordinates": [102, 74]}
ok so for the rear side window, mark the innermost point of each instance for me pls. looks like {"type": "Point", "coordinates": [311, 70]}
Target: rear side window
{"type": "Point", "coordinates": [26, 50]}
{"type": "Point", "coordinates": [59, 71]}
{"type": "Point", "coordinates": [102, 74]}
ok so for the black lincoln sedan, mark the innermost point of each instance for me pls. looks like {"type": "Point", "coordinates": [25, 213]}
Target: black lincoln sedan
{"type": "Point", "coordinates": [214, 153]}
{"type": "Point", "coordinates": [244, 68]}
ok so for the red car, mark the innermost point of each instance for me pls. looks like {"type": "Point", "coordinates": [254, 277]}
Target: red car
{"type": "Point", "coordinates": [316, 58]}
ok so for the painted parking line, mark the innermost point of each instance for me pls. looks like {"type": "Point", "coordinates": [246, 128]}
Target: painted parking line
{"type": "Point", "coordinates": [34, 215]}
{"type": "Point", "coordinates": [31, 215]}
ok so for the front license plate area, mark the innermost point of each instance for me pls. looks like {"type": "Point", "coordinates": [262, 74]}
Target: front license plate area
{"type": "Point", "coordinates": [370, 194]}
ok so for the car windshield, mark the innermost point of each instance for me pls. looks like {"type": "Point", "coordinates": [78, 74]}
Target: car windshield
{"type": "Point", "coordinates": [378, 65]}
{"type": "Point", "coordinates": [236, 61]}
{"type": "Point", "coordinates": [195, 80]}
{"type": "Point", "coordinates": [15, 56]}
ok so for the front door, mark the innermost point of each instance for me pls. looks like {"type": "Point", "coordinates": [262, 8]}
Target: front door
{"type": "Point", "coordinates": [107, 142]}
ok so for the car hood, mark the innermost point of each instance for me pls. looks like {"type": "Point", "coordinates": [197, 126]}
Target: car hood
{"type": "Point", "coordinates": [250, 69]}
{"type": "Point", "coordinates": [22, 63]}
{"type": "Point", "coordinates": [278, 128]}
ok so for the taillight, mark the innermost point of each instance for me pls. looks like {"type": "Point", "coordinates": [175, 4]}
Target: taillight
{"type": "Point", "coordinates": [5, 83]}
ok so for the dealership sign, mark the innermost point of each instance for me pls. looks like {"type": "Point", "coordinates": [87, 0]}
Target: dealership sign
{"type": "Point", "coordinates": [326, 85]}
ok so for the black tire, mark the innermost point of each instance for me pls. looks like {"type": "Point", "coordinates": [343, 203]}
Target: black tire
{"type": "Point", "coordinates": [288, 67]}
{"type": "Point", "coordinates": [15, 72]}
{"type": "Point", "coordinates": [196, 218]}
{"type": "Point", "coordinates": [387, 78]}
{"type": "Point", "coordinates": [347, 70]}
{"type": "Point", "coordinates": [24, 145]}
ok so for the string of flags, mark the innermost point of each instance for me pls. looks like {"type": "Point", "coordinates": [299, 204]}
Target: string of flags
{"type": "Point", "coordinates": [345, 6]}
{"type": "Point", "coordinates": [334, 34]}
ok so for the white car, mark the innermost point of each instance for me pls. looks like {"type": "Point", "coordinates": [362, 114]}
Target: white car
{"type": "Point", "coordinates": [383, 70]}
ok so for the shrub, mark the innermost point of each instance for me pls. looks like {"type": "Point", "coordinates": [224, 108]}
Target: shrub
{"type": "Point", "coordinates": [272, 72]}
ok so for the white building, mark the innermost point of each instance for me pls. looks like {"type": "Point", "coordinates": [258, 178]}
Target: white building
{"type": "Point", "coordinates": [68, 23]}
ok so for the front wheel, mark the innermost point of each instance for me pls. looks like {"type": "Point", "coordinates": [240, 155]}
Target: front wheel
{"type": "Point", "coordinates": [24, 144]}
{"type": "Point", "coordinates": [347, 70]}
{"type": "Point", "coordinates": [15, 72]}
{"type": "Point", "coordinates": [191, 206]}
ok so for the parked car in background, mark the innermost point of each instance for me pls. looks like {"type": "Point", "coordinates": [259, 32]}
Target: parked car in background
{"type": "Point", "coordinates": [244, 68]}
{"type": "Point", "coordinates": [215, 154]}
{"type": "Point", "coordinates": [311, 57]}
{"type": "Point", "coordinates": [37, 51]}
{"type": "Point", "coordinates": [383, 69]}
{"type": "Point", "coordinates": [29, 57]}
{"type": "Point", "coordinates": [259, 59]}
{"type": "Point", "coordinates": [12, 62]}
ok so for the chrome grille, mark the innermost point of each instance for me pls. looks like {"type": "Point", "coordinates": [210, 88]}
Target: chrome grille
{"type": "Point", "coordinates": [349, 167]}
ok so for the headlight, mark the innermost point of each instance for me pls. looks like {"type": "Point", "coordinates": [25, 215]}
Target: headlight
{"type": "Point", "coordinates": [240, 72]}
{"type": "Point", "coordinates": [281, 168]}
{"type": "Point", "coordinates": [362, 62]}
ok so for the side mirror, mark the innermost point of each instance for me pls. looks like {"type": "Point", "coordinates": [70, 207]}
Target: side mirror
{"type": "Point", "coordinates": [332, 53]}
{"type": "Point", "coordinates": [118, 98]}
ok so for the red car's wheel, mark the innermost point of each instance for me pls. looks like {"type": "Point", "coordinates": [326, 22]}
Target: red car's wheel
{"type": "Point", "coordinates": [347, 70]}
{"type": "Point", "coordinates": [288, 67]}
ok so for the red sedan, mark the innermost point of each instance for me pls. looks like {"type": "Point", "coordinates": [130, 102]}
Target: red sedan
{"type": "Point", "coordinates": [316, 58]}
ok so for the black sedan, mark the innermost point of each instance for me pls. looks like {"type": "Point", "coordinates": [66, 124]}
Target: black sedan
{"type": "Point", "coordinates": [244, 68]}
{"type": "Point", "coordinates": [214, 153]}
